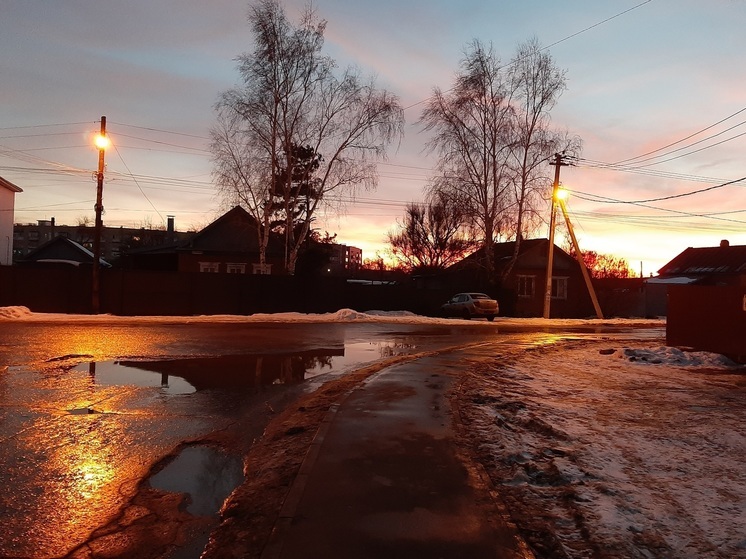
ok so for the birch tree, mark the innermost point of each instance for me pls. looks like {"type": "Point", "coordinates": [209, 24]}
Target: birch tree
{"type": "Point", "coordinates": [471, 127]}
{"type": "Point", "coordinates": [492, 135]}
{"type": "Point", "coordinates": [293, 95]}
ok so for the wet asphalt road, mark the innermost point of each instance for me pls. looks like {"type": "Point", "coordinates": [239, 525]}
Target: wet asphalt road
{"type": "Point", "coordinates": [86, 410]}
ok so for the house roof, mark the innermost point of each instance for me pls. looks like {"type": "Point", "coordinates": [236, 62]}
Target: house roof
{"type": "Point", "coordinates": [707, 261]}
{"type": "Point", "coordinates": [234, 231]}
{"type": "Point", "coordinates": [62, 250]}
{"type": "Point", "coordinates": [529, 249]}
{"type": "Point", "coordinates": [9, 185]}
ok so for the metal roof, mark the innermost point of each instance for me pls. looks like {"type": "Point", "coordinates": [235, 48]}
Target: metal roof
{"type": "Point", "coordinates": [707, 261]}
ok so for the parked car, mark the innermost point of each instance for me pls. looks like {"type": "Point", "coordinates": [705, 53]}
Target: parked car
{"type": "Point", "coordinates": [471, 305]}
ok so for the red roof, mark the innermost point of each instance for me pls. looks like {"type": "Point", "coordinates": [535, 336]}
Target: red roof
{"type": "Point", "coordinates": [707, 261]}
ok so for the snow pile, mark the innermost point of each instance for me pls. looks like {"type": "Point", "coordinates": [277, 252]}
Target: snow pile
{"type": "Point", "coordinates": [596, 452]}
{"type": "Point", "coordinates": [677, 357]}
{"type": "Point", "coordinates": [16, 313]}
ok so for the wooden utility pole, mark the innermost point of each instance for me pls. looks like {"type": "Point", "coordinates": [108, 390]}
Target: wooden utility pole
{"type": "Point", "coordinates": [558, 162]}
{"type": "Point", "coordinates": [579, 256]}
{"type": "Point", "coordinates": [95, 280]}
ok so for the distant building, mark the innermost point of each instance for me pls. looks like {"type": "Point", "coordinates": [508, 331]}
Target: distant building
{"type": "Point", "coordinates": [344, 259]}
{"type": "Point", "coordinates": [8, 192]}
{"type": "Point", "coordinates": [115, 241]}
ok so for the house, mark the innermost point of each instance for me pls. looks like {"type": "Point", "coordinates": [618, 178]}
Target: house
{"type": "Point", "coordinates": [721, 265]}
{"type": "Point", "coordinates": [8, 192]}
{"type": "Point", "coordinates": [230, 244]}
{"type": "Point", "coordinates": [522, 291]}
{"type": "Point", "coordinates": [114, 240]}
{"type": "Point", "coordinates": [707, 299]}
{"type": "Point", "coordinates": [61, 251]}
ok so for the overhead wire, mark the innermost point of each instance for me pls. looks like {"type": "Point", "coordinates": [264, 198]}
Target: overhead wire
{"type": "Point", "coordinates": [692, 135]}
{"type": "Point", "coordinates": [608, 19]}
{"type": "Point", "coordinates": [138, 184]}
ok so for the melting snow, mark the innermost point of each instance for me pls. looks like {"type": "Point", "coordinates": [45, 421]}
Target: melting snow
{"type": "Point", "coordinates": [639, 451]}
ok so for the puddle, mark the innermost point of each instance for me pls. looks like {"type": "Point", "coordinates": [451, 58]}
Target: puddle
{"type": "Point", "coordinates": [208, 476]}
{"type": "Point", "coordinates": [117, 373]}
{"type": "Point", "coordinates": [245, 372]}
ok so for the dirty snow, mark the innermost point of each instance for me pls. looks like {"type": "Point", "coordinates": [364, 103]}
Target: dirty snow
{"type": "Point", "coordinates": [23, 314]}
{"type": "Point", "coordinates": [617, 451]}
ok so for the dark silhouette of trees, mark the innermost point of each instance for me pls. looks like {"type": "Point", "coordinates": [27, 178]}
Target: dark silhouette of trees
{"type": "Point", "coordinates": [604, 265]}
{"type": "Point", "coordinates": [431, 237]}
{"type": "Point", "coordinates": [297, 133]}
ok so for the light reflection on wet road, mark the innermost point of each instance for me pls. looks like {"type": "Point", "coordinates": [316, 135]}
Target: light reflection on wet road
{"type": "Point", "coordinates": [87, 410]}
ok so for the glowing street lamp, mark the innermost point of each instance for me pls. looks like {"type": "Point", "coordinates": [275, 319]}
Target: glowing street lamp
{"type": "Point", "coordinates": [102, 142]}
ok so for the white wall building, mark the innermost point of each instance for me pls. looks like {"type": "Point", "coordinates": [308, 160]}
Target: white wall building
{"type": "Point", "coordinates": [7, 208]}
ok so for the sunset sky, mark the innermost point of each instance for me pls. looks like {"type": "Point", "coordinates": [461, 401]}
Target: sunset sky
{"type": "Point", "coordinates": [656, 91]}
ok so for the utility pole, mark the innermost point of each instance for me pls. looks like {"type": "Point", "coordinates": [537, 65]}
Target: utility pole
{"type": "Point", "coordinates": [558, 162]}
{"type": "Point", "coordinates": [579, 256]}
{"type": "Point", "coordinates": [101, 143]}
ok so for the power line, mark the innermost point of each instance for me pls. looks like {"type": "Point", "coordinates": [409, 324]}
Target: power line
{"type": "Point", "coordinates": [43, 125]}
{"type": "Point", "coordinates": [138, 184]}
{"type": "Point", "coordinates": [608, 19]}
{"type": "Point", "coordinates": [682, 139]}
{"type": "Point", "coordinates": [161, 130]}
{"type": "Point", "coordinates": [588, 197]}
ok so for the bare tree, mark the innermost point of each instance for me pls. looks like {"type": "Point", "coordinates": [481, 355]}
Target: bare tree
{"type": "Point", "coordinates": [536, 84]}
{"type": "Point", "coordinates": [431, 237]}
{"type": "Point", "coordinates": [292, 96]}
{"type": "Point", "coordinates": [492, 134]}
{"type": "Point", "coordinates": [472, 132]}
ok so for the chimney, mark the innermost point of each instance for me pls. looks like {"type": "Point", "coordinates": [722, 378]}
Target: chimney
{"type": "Point", "coordinates": [170, 226]}
{"type": "Point", "coordinates": [724, 243]}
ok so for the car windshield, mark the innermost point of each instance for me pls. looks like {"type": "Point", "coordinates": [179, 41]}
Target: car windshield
{"type": "Point", "coordinates": [479, 296]}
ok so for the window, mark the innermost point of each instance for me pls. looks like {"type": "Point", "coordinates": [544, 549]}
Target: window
{"type": "Point", "coordinates": [526, 286]}
{"type": "Point", "coordinates": [209, 267]}
{"type": "Point", "coordinates": [261, 269]}
{"type": "Point", "coordinates": [559, 288]}
{"type": "Point", "coordinates": [236, 268]}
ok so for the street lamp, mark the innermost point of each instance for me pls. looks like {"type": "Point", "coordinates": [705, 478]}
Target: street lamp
{"type": "Point", "coordinates": [102, 142]}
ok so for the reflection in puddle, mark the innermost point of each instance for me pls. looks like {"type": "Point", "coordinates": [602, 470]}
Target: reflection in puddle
{"type": "Point", "coordinates": [207, 475]}
{"type": "Point", "coordinates": [244, 372]}
{"type": "Point", "coordinates": [117, 373]}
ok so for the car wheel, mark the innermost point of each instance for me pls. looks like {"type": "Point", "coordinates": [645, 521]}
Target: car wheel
{"type": "Point", "coordinates": [490, 318]}
{"type": "Point", "coordinates": [467, 315]}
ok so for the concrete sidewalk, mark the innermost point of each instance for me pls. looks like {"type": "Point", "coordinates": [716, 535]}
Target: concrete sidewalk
{"type": "Point", "coordinates": [383, 479]}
